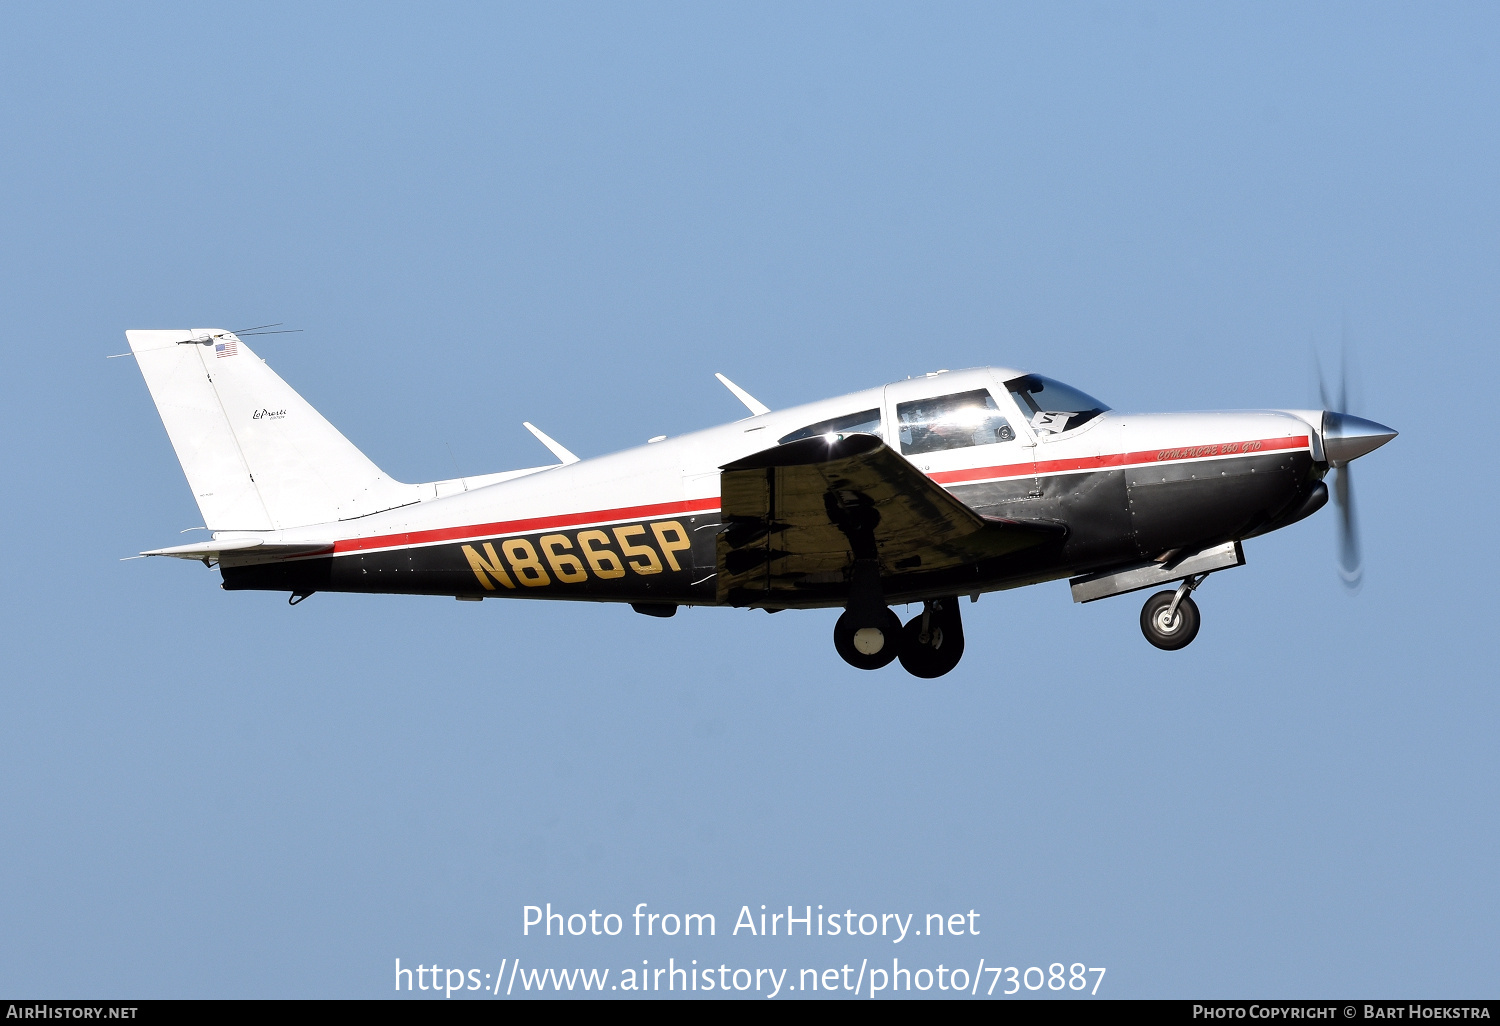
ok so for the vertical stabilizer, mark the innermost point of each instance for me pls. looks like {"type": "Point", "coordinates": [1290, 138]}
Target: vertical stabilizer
{"type": "Point", "coordinates": [256, 455]}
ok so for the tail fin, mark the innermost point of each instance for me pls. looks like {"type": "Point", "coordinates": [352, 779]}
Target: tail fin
{"type": "Point", "coordinates": [256, 455]}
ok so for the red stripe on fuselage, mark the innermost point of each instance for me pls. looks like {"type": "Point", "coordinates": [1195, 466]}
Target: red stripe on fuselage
{"type": "Point", "coordinates": [1105, 462]}
{"type": "Point", "coordinates": [660, 509]}
{"type": "Point", "coordinates": [1108, 461]}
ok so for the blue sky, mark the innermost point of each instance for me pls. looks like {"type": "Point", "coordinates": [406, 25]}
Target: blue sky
{"type": "Point", "coordinates": [575, 215]}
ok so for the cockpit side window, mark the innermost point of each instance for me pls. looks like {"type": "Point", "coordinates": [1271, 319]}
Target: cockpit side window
{"type": "Point", "coordinates": [1052, 406]}
{"type": "Point", "coordinates": [866, 422]}
{"type": "Point", "coordinates": [951, 422]}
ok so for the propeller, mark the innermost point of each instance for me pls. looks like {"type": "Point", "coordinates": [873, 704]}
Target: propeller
{"type": "Point", "coordinates": [1351, 562]}
{"type": "Point", "coordinates": [1346, 438]}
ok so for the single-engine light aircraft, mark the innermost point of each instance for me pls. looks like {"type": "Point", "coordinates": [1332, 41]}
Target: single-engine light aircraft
{"type": "Point", "coordinates": [920, 491]}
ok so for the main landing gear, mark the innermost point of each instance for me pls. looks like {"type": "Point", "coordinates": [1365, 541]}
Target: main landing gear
{"type": "Point", "coordinates": [868, 638]}
{"type": "Point", "coordinates": [871, 636]}
{"type": "Point", "coordinates": [933, 643]}
{"type": "Point", "coordinates": [1169, 619]}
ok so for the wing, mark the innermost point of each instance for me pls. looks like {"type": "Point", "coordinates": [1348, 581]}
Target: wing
{"type": "Point", "coordinates": [799, 515]}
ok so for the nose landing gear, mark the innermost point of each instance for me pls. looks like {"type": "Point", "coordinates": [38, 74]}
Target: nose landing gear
{"type": "Point", "coordinates": [1170, 619]}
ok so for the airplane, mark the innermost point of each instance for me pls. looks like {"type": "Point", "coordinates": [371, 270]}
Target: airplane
{"type": "Point", "coordinates": [926, 490]}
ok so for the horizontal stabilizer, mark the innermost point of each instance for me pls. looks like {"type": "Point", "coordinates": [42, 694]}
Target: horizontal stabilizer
{"type": "Point", "coordinates": [215, 549]}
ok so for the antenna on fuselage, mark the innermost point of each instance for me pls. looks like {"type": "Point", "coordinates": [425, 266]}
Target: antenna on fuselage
{"type": "Point", "coordinates": [754, 405]}
{"type": "Point", "coordinates": [547, 440]}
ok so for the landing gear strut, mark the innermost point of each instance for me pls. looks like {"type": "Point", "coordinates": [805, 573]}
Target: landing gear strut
{"type": "Point", "coordinates": [868, 635]}
{"type": "Point", "coordinates": [933, 642]}
{"type": "Point", "coordinates": [1169, 619]}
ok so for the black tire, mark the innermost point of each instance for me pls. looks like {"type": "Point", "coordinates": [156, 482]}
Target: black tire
{"type": "Point", "coordinates": [1176, 634]}
{"type": "Point", "coordinates": [941, 651]}
{"type": "Point", "coordinates": [867, 651]}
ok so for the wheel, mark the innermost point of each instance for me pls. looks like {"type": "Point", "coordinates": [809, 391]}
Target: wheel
{"type": "Point", "coordinates": [942, 647]}
{"type": "Point", "coordinates": [868, 638]}
{"type": "Point", "coordinates": [1171, 634]}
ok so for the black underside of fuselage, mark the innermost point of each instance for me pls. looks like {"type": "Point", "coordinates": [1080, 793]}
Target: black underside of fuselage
{"type": "Point", "coordinates": [1114, 517]}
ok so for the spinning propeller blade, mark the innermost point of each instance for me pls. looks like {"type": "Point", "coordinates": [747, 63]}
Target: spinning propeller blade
{"type": "Point", "coordinates": [1345, 438]}
{"type": "Point", "coordinates": [1351, 565]}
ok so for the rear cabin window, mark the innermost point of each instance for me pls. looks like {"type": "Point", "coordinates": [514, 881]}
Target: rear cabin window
{"type": "Point", "coordinates": [867, 422]}
{"type": "Point", "coordinates": [951, 422]}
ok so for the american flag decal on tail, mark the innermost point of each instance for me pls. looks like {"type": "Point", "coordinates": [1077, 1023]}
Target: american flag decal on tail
{"type": "Point", "coordinates": [228, 347]}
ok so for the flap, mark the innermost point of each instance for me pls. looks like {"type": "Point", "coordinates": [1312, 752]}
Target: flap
{"type": "Point", "coordinates": [797, 517]}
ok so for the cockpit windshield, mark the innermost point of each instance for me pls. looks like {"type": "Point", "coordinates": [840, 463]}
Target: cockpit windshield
{"type": "Point", "coordinates": [1052, 406]}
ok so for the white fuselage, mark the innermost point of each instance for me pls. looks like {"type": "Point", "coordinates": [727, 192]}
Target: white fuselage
{"type": "Point", "coordinates": [679, 477]}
